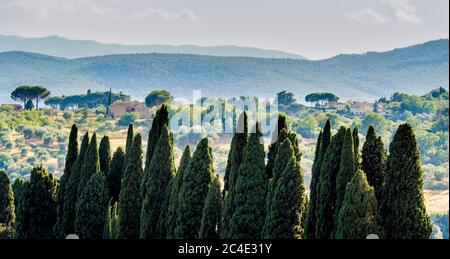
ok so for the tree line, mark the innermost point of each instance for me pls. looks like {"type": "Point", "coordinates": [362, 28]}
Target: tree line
{"type": "Point", "coordinates": [124, 196]}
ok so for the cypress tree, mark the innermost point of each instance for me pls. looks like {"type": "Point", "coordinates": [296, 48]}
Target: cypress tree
{"type": "Point", "coordinates": [72, 154]}
{"type": "Point", "coordinates": [112, 222]}
{"type": "Point", "coordinates": [115, 174]}
{"type": "Point", "coordinates": [91, 208]}
{"type": "Point", "coordinates": [356, 143]}
{"type": "Point", "coordinates": [159, 122]}
{"type": "Point", "coordinates": [90, 164]}
{"type": "Point", "coordinates": [235, 157]}
{"type": "Point", "coordinates": [346, 170]}
{"type": "Point", "coordinates": [210, 226]}
{"type": "Point", "coordinates": [373, 159]}
{"type": "Point", "coordinates": [322, 145]}
{"type": "Point", "coordinates": [161, 228]}
{"type": "Point", "coordinates": [327, 187]}
{"type": "Point", "coordinates": [358, 216]}
{"type": "Point", "coordinates": [173, 203]}
{"type": "Point", "coordinates": [160, 172]}
{"type": "Point", "coordinates": [7, 214]}
{"type": "Point", "coordinates": [21, 204]}
{"type": "Point", "coordinates": [129, 143]}
{"type": "Point", "coordinates": [276, 141]}
{"type": "Point", "coordinates": [402, 206]}
{"type": "Point", "coordinates": [251, 190]}
{"type": "Point", "coordinates": [193, 192]}
{"type": "Point", "coordinates": [284, 216]}
{"type": "Point", "coordinates": [42, 204]}
{"type": "Point", "coordinates": [130, 201]}
{"type": "Point", "coordinates": [71, 192]}
{"type": "Point", "coordinates": [104, 154]}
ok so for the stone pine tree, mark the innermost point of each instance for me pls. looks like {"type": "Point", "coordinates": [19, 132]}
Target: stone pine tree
{"type": "Point", "coordinates": [159, 122]}
{"type": "Point", "coordinates": [91, 208]}
{"type": "Point", "coordinates": [115, 174]}
{"type": "Point", "coordinates": [104, 155]}
{"type": "Point", "coordinates": [211, 218]}
{"type": "Point", "coordinates": [172, 211]}
{"type": "Point", "coordinates": [42, 204]}
{"type": "Point", "coordinates": [358, 216]}
{"type": "Point", "coordinates": [402, 204]}
{"type": "Point", "coordinates": [7, 209]}
{"type": "Point", "coordinates": [356, 144]}
{"type": "Point", "coordinates": [90, 164]}
{"type": "Point", "coordinates": [72, 154]}
{"type": "Point", "coordinates": [193, 192]}
{"type": "Point", "coordinates": [160, 171]}
{"type": "Point", "coordinates": [346, 170]}
{"type": "Point", "coordinates": [327, 187]}
{"type": "Point", "coordinates": [374, 156]}
{"type": "Point", "coordinates": [251, 190]}
{"type": "Point", "coordinates": [128, 144]}
{"type": "Point", "coordinates": [322, 144]}
{"type": "Point", "coordinates": [21, 190]}
{"type": "Point", "coordinates": [235, 157]}
{"type": "Point", "coordinates": [71, 191]}
{"type": "Point", "coordinates": [284, 216]}
{"type": "Point", "coordinates": [273, 148]}
{"type": "Point", "coordinates": [130, 201]}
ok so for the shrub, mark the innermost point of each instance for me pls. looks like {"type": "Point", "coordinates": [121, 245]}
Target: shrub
{"type": "Point", "coordinates": [28, 132]}
{"type": "Point", "coordinates": [127, 119]}
{"type": "Point", "coordinates": [48, 140]}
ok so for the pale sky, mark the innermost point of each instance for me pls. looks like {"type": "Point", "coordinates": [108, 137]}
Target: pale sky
{"type": "Point", "coordinates": [315, 29]}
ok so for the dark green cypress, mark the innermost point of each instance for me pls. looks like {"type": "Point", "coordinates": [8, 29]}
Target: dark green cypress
{"type": "Point", "coordinates": [161, 170]}
{"type": "Point", "coordinates": [104, 155]}
{"type": "Point", "coordinates": [373, 159]}
{"type": "Point", "coordinates": [284, 216]}
{"type": "Point", "coordinates": [402, 204]}
{"type": "Point", "coordinates": [251, 190]}
{"type": "Point", "coordinates": [284, 154]}
{"type": "Point", "coordinates": [128, 144]}
{"type": "Point", "coordinates": [193, 192]}
{"type": "Point", "coordinates": [327, 187]}
{"type": "Point", "coordinates": [130, 201]}
{"type": "Point", "coordinates": [159, 122]}
{"type": "Point", "coordinates": [42, 204]}
{"type": "Point", "coordinates": [322, 145]}
{"type": "Point", "coordinates": [161, 228]}
{"type": "Point", "coordinates": [91, 208]}
{"type": "Point", "coordinates": [115, 174]}
{"type": "Point", "coordinates": [358, 216]}
{"type": "Point", "coordinates": [210, 226]}
{"type": "Point", "coordinates": [276, 141]}
{"type": "Point", "coordinates": [111, 230]}
{"type": "Point", "coordinates": [72, 154]}
{"type": "Point", "coordinates": [21, 204]}
{"type": "Point", "coordinates": [356, 144]}
{"type": "Point", "coordinates": [7, 214]}
{"type": "Point", "coordinates": [172, 211]}
{"type": "Point", "coordinates": [90, 164]}
{"type": "Point", "coordinates": [71, 192]}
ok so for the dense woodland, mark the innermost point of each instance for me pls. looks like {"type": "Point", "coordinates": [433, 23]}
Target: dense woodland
{"type": "Point", "coordinates": [120, 194]}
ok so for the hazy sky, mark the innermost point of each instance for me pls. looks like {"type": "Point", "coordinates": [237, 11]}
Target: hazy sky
{"type": "Point", "coordinates": [312, 28]}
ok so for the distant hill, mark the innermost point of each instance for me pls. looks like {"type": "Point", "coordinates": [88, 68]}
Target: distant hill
{"type": "Point", "coordinates": [62, 47]}
{"type": "Point", "coordinates": [416, 69]}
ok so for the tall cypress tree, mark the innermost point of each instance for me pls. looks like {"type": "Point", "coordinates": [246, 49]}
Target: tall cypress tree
{"type": "Point", "coordinates": [322, 145]}
{"type": "Point", "coordinates": [284, 216]}
{"type": "Point", "coordinates": [71, 191]}
{"type": "Point", "coordinates": [356, 143]}
{"type": "Point", "coordinates": [72, 154]}
{"type": "Point", "coordinates": [172, 211]}
{"type": "Point", "coordinates": [91, 208]}
{"type": "Point", "coordinates": [327, 187]}
{"type": "Point", "coordinates": [161, 170]}
{"type": "Point", "coordinates": [402, 205]}
{"type": "Point", "coordinates": [21, 204]}
{"type": "Point", "coordinates": [235, 157]}
{"type": "Point", "coordinates": [42, 204]}
{"type": "Point", "coordinates": [193, 192]}
{"type": "Point", "coordinates": [7, 214]}
{"type": "Point", "coordinates": [358, 216]}
{"type": "Point", "coordinates": [115, 174]}
{"type": "Point", "coordinates": [111, 230]}
{"type": "Point", "coordinates": [210, 226]}
{"type": "Point", "coordinates": [104, 154]}
{"type": "Point", "coordinates": [130, 201]}
{"type": "Point", "coordinates": [90, 164]}
{"type": "Point", "coordinates": [128, 144]}
{"type": "Point", "coordinates": [373, 159]}
{"type": "Point", "coordinates": [161, 227]}
{"type": "Point", "coordinates": [276, 141]}
{"type": "Point", "coordinates": [251, 190]}
{"type": "Point", "coordinates": [346, 170]}
{"type": "Point", "coordinates": [159, 122]}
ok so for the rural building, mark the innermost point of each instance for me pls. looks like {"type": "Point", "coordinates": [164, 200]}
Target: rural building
{"type": "Point", "coordinates": [361, 108]}
{"type": "Point", "coordinates": [117, 109]}
{"type": "Point", "coordinates": [16, 107]}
